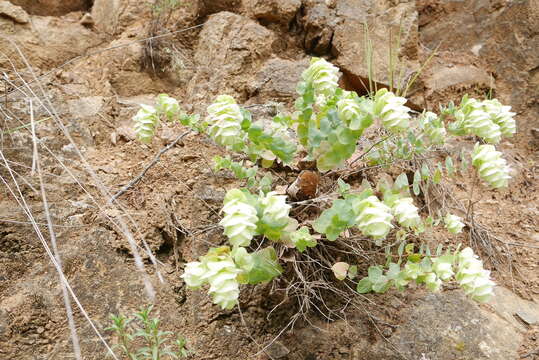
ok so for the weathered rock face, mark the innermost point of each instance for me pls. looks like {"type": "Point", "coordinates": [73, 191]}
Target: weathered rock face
{"type": "Point", "coordinates": [450, 326]}
{"type": "Point", "coordinates": [337, 28]}
{"type": "Point", "coordinates": [279, 11]}
{"type": "Point", "coordinates": [105, 14]}
{"type": "Point", "coordinates": [53, 7]}
{"type": "Point", "coordinates": [14, 12]}
{"type": "Point", "coordinates": [48, 42]}
{"type": "Point", "coordinates": [278, 78]}
{"type": "Point", "coordinates": [230, 51]}
{"type": "Point", "coordinates": [503, 33]}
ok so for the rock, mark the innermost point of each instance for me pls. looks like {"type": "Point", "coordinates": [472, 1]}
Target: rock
{"type": "Point", "coordinates": [279, 11]}
{"type": "Point", "coordinates": [318, 23]}
{"type": "Point", "coordinates": [53, 7]}
{"type": "Point", "coordinates": [85, 107]}
{"type": "Point", "coordinates": [482, 27]}
{"type": "Point", "coordinates": [512, 308]}
{"type": "Point", "coordinates": [278, 79]}
{"type": "Point", "coordinates": [349, 45]}
{"type": "Point", "coordinates": [105, 14]}
{"type": "Point", "coordinates": [208, 7]}
{"type": "Point", "coordinates": [16, 13]}
{"type": "Point", "coordinates": [231, 49]}
{"type": "Point", "coordinates": [450, 326]}
{"type": "Point", "coordinates": [47, 43]}
{"type": "Point", "coordinates": [277, 350]}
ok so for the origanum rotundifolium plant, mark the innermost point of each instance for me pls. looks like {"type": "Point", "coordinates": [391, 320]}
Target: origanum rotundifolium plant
{"type": "Point", "coordinates": [328, 125]}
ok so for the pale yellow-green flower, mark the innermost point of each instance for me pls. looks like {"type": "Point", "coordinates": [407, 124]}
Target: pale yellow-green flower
{"type": "Point", "coordinates": [146, 121]}
{"type": "Point", "coordinates": [391, 110]}
{"type": "Point", "coordinates": [502, 116]}
{"type": "Point", "coordinates": [224, 119]}
{"type": "Point", "coordinates": [491, 166]}
{"type": "Point", "coordinates": [240, 218]}
{"type": "Point", "coordinates": [472, 277]}
{"type": "Point", "coordinates": [323, 76]}
{"type": "Point", "coordinates": [453, 223]}
{"type": "Point", "coordinates": [373, 217]}
{"type": "Point", "coordinates": [405, 212]}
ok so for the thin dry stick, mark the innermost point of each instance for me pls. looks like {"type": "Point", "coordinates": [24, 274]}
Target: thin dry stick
{"type": "Point", "coordinates": [150, 291]}
{"type": "Point", "coordinates": [22, 203]}
{"type": "Point", "coordinates": [65, 294]}
{"type": "Point", "coordinates": [148, 166]}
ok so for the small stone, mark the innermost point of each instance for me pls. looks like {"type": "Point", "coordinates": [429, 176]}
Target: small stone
{"type": "Point", "coordinates": [527, 317]}
{"type": "Point", "coordinates": [40, 330]}
{"type": "Point", "coordinates": [16, 13]}
{"type": "Point", "coordinates": [277, 350]}
{"type": "Point", "coordinates": [87, 20]}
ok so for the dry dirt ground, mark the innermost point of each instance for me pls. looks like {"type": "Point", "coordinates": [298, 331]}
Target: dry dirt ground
{"type": "Point", "coordinates": [82, 67]}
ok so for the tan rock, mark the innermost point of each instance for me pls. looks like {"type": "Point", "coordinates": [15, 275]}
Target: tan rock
{"type": "Point", "coordinates": [53, 7]}
{"type": "Point", "coordinates": [14, 12]}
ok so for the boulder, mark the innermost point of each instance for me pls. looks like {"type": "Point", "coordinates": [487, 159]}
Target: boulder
{"type": "Point", "coordinates": [230, 51]}
{"type": "Point", "coordinates": [278, 78]}
{"type": "Point", "coordinates": [14, 12]}
{"type": "Point", "coordinates": [105, 14]}
{"type": "Point", "coordinates": [450, 326]}
{"type": "Point", "coordinates": [53, 7]}
{"type": "Point", "coordinates": [278, 11]}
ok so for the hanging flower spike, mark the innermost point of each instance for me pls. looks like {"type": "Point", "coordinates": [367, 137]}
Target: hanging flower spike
{"type": "Point", "coordinates": [146, 121]}
{"type": "Point", "coordinates": [502, 116]}
{"type": "Point", "coordinates": [434, 128]}
{"type": "Point", "coordinates": [274, 215]}
{"type": "Point", "coordinates": [405, 212]}
{"type": "Point", "coordinates": [323, 76]}
{"type": "Point", "coordinates": [453, 223]}
{"type": "Point", "coordinates": [354, 111]}
{"type": "Point", "coordinates": [218, 269]}
{"type": "Point", "coordinates": [240, 218]}
{"type": "Point", "coordinates": [472, 277]}
{"type": "Point", "coordinates": [433, 282]}
{"type": "Point", "coordinates": [374, 217]}
{"type": "Point", "coordinates": [390, 108]}
{"type": "Point", "coordinates": [168, 106]}
{"type": "Point", "coordinates": [443, 268]}
{"type": "Point", "coordinates": [194, 274]}
{"type": "Point", "coordinates": [224, 287]}
{"type": "Point", "coordinates": [491, 166]}
{"type": "Point", "coordinates": [478, 122]}
{"type": "Point", "coordinates": [225, 120]}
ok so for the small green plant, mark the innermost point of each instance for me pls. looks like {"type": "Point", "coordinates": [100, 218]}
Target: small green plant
{"type": "Point", "coordinates": [327, 125]}
{"type": "Point", "coordinates": [139, 338]}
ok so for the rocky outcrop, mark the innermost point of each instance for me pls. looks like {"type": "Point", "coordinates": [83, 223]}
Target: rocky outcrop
{"type": "Point", "coordinates": [53, 7]}
{"type": "Point", "coordinates": [230, 51]}
{"type": "Point", "coordinates": [16, 13]}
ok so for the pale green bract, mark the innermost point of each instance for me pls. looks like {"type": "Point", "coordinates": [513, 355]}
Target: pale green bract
{"type": "Point", "coordinates": [443, 268]}
{"type": "Point", "coordinates": [405, 212]}
{"type": "Point", "coordinates": [472, 277]}
{"type": "Point", "coordinates": [275, 208]}
{"type": "Point", "coordinates": [391, 110]}
{"type": "Point", "coordinates": [302, 239]}
{"type": "Point", "coordinates": [323, 76]}
{"type": "Point", "coordinates": [473, 119]}
{"type": "Point", "coordinates": [453, 223]}
{"type": "Point", "coordinates": [146, 121]}
{"type": "Point", "coordinates": [219, 271]}
{"type": "Point", "coordinates": [240, 218]}
{"type": "Point", "coordinates": [502, 116]}
{"type": "Point", "coordinates": [434, 128]}
{"type": "Point", "coordinates": [491, 166]}
{"type": "Point", "coordinates": [224, 119]}
{"type": "Point", "coordinates": [433, 282]}
{"type": "Point", "coordinates": [168, 106]}
{"type": "Point", "coordinates": [373, 217]}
